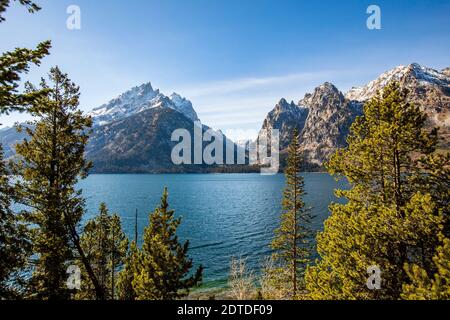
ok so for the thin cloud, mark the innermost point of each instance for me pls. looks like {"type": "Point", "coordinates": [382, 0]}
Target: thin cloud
{"type": "Point", "coordinates": [241, 84]}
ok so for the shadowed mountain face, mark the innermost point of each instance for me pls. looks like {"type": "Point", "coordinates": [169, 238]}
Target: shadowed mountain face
{"type": "Point", "coordinates": [324, 117]}
{"type": "Point", "coordinates": [139, 143]}
{"type": "Point", "coordinates": [132, 133]}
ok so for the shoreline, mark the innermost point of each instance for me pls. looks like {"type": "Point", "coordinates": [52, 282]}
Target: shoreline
{"type": "Point", "coordinates": [189, 173]}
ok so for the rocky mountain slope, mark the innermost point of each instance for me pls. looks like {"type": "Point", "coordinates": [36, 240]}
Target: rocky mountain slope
{"type": "Point", "coordinates": [139, 99]}
{"type": "Point", "coordinates": [428, 88]}
{"type": "Point", "coordinates": [323, 119]}
{"type": "Point", "coordinates": [285, 117]}
{"type": "Point", "coordinates": [138, 143]}
{"type": "Point", "coordinates": [446, 71]}
{"type": "Point", "coordinates": [328, 123]}
{"type": "Point", "coordinates": [9, 138]}
{"type": "Point", "coordinates": [329, 113]}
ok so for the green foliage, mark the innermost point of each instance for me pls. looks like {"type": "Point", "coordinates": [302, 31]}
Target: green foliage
{"type": "Point", "coordinates": [161, 271]}
{"type": "Point", "coordinates": [15, 63]}
{"type": "Point", "coordinates": [292, 242]}
{"type": "Point", "coordinates": [12, 64]}
{"type": "Point", "coordinates": [434, 178]}
{"type": "Point", "coordinates": [359, 236]}
{"type": "Point", "coordinates": [14, 245]}
{"type": "Point", "coordinates": [105, 246]}
{"type": "Point", "coordinates": [51, 163]}
{"type": "Point", "coordinates": [125, 290]}
{"type": "Point", "coordinates": [436, 287]}
{"type": "Point", "coordinates": [388, 219]}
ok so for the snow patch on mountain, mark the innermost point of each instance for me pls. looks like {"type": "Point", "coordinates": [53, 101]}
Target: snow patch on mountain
{"type": "Point", "coordinates": [424, 76]}
{"type": "Point", "coordinates": [139, 99]}
{"type": "Point", "coordinates": [184, 106]}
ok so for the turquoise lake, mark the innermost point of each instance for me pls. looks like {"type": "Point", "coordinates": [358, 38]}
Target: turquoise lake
{"type": "Point", "coordinates": [223, 215]}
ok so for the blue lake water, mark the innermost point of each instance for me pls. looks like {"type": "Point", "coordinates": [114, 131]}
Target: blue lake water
{"type": "Point", "coordinates": [223, 215]}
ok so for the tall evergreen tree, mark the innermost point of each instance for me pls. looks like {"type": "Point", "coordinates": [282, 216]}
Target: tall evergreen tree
{"type": "Point", "coordinates": [51, 163]}
{"type": "Point", "coordinates": [292, 242]}
{"type": "Point", "coordinates": [14, 245]}
{"type": "Point", "coordinates": [105, 246]}
{"type": "Point", "coordinates": [388, 219]}
{"type": "Point", "coordinates": [162, 270]}
{"type": "Point", "coordinates": [125, 289]}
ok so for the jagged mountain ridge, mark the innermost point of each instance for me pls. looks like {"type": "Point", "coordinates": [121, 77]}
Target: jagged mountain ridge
{"type": "Point", "coordinates": [139, 99]}
{"type": "Point", "coordinates": [406, 75]}
{"type": "Point", "coordinates": [285, 117]}
{"type": "Point", "coordinates": [131, 131]}
{"type": "Point", "coordinates": [330, 113]}
{"type": "Point", "coordinates": [323, 119]}
{"type": "Point", "coordinates": [329, 119]}
{"type": "Point", "coordinates": [428, 88]}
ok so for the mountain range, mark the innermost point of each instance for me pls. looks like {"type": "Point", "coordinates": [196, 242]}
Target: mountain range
{"type": "Point", "coordinates": [324, 117]}
{"type": "Point", "coordinates": [132, 133]}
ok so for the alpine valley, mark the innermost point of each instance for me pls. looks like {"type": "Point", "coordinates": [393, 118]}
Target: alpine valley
{"type": "Point", "coordinates": [132, 133]}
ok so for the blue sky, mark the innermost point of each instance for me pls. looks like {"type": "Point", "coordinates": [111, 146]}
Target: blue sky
{"type": "Point", "coordinates": [233, 59]}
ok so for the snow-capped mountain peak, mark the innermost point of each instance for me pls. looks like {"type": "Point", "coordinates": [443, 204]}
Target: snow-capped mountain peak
{"type": "Point", "coordinates": [184, 106]}
{"type": "Point", "coordinates": [138, 99]}
{"type": "Point", "coordinates": [414, 71]}
{"type": "Point", "coordinates": [427, 88]}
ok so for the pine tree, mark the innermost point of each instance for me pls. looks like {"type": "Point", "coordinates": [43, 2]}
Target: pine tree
{"type": "Point", "coordinates": [105, 245]}
{"type": "Point", "coordinates": [125, 290]}
{"type": "Point", "coordinates": [51, 163]}
{"type": "Point", "coordinates": [388, 219]}
{"type": "Point", "coordinates": [433, 177]}
{"type": "Point", "coordinates": [436, 287]}
{"type": "Point", "coordinates": [14, 245]}
{"type": "Point", "coordinates": [163, 266]}
{"type": "Point", "coordinates": [291, 245]}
